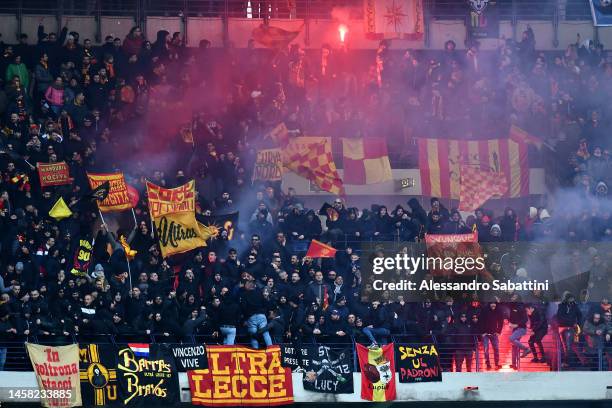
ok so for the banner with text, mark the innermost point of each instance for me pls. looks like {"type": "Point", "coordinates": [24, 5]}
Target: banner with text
{"type": "Point", "coordinates": [189, 357]}
{"type": "Point", "coordinates": [241, 376]}
{"type": "Point", "coordinates": [328, 371]}
{"type": "Point", "coordinates": [418, 363]}
{"type": "Point", "coordinates": [53, 174]}
{"type": "Point", "coordinates": [173, 212]}
{"type": "Point", "coordinates": [57, 373]}
{"type": "Point", "coordinates": [268, 165]}
{"type": "Point", "coordinates": [118, 198]}
{"type": "Point", "coordinates": [146, 377]}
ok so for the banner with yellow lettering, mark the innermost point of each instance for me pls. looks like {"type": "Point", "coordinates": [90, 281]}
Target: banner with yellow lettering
{"type": "Point", "coordinates": [241, 376]}
{"type": "Point", "coordinates": [147, 376]}
{"type": "Point", "coordinates": [420, 363]}
{"type": "Point", "coordinates": [53, 174]}
{"type": "Point", "coordinates": [173, 213]}
{"type": "Point", "coordinates": [118, 198]}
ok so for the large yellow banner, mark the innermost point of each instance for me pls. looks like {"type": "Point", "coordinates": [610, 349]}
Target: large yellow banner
{"type": "Point", "coordinates": [173, 212]}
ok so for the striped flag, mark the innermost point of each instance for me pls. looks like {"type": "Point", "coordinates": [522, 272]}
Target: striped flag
{"type": "Point", "coordinates": [311, 158]}
{"type": "Point", "coordinates": [440, 162]}
{"type": "Point", "coordinates": [519, 135]}
{"type": "Point", "coordinates": [478, 186]}
{"type": "Point", "coordinates": [139, 349]}
{"type": "Point", "coordinates": [377, 372]}
{"type": "Point", "coordinates": [366, 161]}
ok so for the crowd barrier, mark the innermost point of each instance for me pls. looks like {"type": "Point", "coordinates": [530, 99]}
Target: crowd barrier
{"type": "Point", "coordinates": [449, 350]}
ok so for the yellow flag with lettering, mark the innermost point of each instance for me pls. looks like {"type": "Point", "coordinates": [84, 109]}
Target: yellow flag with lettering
{"type": "Point", "coordinates": [173, 213]}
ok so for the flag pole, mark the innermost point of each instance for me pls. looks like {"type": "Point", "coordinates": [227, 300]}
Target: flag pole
{"type": "Point", "coordinates": [134, 215]}
{"type": "Point", "coordinates": [129, 270]}
{"type": "Point", "coordinates": [102, 218]}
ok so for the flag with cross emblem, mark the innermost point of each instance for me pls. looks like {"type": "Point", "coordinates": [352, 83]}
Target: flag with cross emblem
{"type": "Point", "coordinates": [98, 375]}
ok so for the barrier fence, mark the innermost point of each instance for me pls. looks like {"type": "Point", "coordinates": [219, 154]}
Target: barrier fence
{"type": "Point", "coordinates": [455, 354]}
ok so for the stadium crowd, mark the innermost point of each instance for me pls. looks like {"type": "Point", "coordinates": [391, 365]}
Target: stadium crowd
{"type": "Point", "coordinates": [63, 98]}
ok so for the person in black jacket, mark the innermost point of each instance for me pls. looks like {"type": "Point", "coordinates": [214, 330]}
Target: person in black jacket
{"type": "Point", "coordinates": [335, 328]}
{"type": "Point", "coordinates": [539, 326]}
{"type": "Point", "coordinates": [378, 321]}
{"type": "Point", "coordinates": [228, 319]}
{"type": "Point", "coordinates": [462, 336]}
{"type": "Point", "coordinates": [254, 308]}
{"type": "Point", "coordinates": [568, 318]}
{"type": "Point", "coordinates": [492, 321]}
{"type": "Point", "coordinates": [518, 323]}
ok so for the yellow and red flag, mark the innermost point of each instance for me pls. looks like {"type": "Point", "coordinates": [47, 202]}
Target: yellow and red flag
{"type": "Point", "coordinates": [520, 135]}
{"type": "Point", "coordinates": [173, 213]}
{"type": "Point", "coordinates": [366, 161]}
{"type": "Point", "coordinates": [311, 158]}
{"type": "Point", "coordinates": [118, 198]}
{"type": "Point", "coordinates": [478, 186]}
{"type": "Point", "coordinates": [317, 249]}
{"type": "Point", "coordinates": [377, 372]}
{"type": "Point", "coordinates": [440, 162]}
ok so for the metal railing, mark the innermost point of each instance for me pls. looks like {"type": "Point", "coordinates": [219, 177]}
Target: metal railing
{"type": "Point", "coordinates": [466, 354]}
{"type": "Point", "coordinates": [301, 9]}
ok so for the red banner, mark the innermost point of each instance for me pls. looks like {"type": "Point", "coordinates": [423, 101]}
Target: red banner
{"type": "Point", "coordinates": [241, 376]}
{"type": "Point", "coordinates": [454, 253]}
{"type": "Point", "coordinates": [118, 198]}
{"type": "Point", "coordinates": [53, 174]}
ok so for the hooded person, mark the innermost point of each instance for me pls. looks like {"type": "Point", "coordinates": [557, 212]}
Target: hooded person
{"type": "Point", "coordinates": [484, 229]}
{"type": "Point", "coordinates": [160, 46]}
{"type": "Point", "coordinates": [418, 213]}
{"type": "Point", "coordinates": [509, 225]}
{"type": "Point", "coordinates": [495, 233]}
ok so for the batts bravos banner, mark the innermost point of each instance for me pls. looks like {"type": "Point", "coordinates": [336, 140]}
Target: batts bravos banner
{"type": "Point", "coordinates": [118, 198]}
{"type": "Point", "coordinates": [328, 371]}
{"type": "Point", "coordinates": [57, 373]}
{"type": "Point", "coordinates": [53, 174]}
{"type": "Point", "coordinates": [241, 376]}
{"type": "Point", "coordinates": [268, 165]}
{"type": "Point", "coordinates": [418, 363]}
{"type": "Point", "coordinates": [173, 212]}
{"type": "Point", "coordinates": [146, 379]}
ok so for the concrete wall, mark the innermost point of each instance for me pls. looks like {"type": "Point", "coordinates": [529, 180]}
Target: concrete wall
{"type": "Point", "coordinates": [320, 31]}
{"type": "Point", "coordinates": [303, 186]}
{"type": "Point", "coordinates": [588, 386]}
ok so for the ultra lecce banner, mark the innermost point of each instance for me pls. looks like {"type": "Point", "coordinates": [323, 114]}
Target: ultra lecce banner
{"type": "Point", "coordinates": [118, 198]}
{"type": "Point", "coordinates": [57, 373]}
{"type": "Point", "coordinates": [241, 376]}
